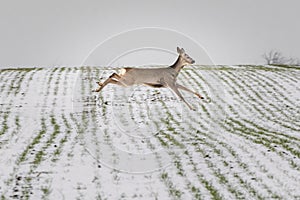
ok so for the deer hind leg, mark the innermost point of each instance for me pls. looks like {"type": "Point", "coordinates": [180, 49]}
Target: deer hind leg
{"type": "Point", "coordinates": [175, 89]}
{"type": "Point", "coordinates": [188, 90]}
{"type": "Point", "coordinates": [113, 79]}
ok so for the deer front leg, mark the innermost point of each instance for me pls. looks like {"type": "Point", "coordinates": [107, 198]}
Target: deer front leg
{"type": "Point", "coordinates": [188, 90]}
{"type": "Point", "coordinates": [112, 79]}
{"type": "Point", "coordinates": [175, 89]}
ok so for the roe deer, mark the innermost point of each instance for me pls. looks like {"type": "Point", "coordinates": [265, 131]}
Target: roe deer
{"type": "Point", "coordinates": [155, 77]}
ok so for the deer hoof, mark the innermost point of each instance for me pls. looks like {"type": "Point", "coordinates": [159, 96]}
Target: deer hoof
{"type": "Point", "coordinates": [200, 97]}
{"type": "Point", "coordinates": [192, 108]}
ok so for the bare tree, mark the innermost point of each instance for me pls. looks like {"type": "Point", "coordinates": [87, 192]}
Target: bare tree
{"type": "Point", "coordinates": [276, 58]}
{"type": "Point", "coordinates": [294, 61]}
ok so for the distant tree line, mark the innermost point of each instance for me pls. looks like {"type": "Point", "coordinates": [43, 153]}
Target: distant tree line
{"type": "Point", "coordinates": [276, 58]}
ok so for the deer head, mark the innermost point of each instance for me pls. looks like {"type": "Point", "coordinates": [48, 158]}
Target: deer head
{"type": "Point", "coordinates": [184, 57]}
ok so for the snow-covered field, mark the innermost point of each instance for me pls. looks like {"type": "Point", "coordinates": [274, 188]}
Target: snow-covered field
{"type": "Point", "coordinates": [58, 140]}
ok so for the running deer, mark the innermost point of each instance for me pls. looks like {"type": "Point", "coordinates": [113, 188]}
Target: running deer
{"type": "Point", "coordinates": [155, 77]}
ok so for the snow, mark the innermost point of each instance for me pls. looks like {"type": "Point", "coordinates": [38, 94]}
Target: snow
{"type": "Point", "coordinates": [58, 140]}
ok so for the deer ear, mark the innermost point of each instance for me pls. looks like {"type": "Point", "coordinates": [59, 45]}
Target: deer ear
{"type": "Point", "coordinates": [178, 50]}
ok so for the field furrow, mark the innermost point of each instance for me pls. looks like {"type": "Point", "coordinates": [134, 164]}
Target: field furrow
{"type": "Point", "coordinates": [58, 140]}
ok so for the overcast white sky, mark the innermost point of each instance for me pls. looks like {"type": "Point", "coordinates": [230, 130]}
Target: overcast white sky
{"type": "Point", "coordinates": [58, 32]}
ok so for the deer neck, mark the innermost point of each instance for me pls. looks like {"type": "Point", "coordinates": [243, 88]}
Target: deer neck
{"type": "Point", "coordinates": [178, 65]}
